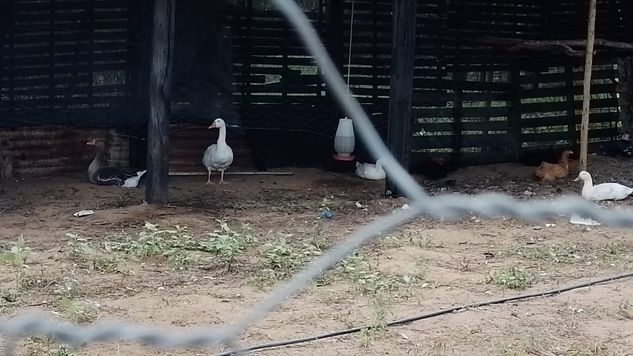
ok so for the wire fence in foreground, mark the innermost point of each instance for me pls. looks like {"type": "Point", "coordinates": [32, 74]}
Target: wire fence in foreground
{"type": "Point", "coordinates": [446, 207]}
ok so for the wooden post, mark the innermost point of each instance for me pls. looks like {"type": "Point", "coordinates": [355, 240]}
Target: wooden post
{"type": "Point", "coordinates": [335, 33]}
{"type": "Point", "coordinates": [586, 93]}
{"type": "Point", "coordinates": [571, 105]}
{"type": "Point", "coordinates": [515, 114]}
{"type": "Point", "coordinates": [160, 101]}
{"type": "Point", "coordinates": [401, 84]}
{"type": "Point", "coordinates": [625, 89]}
{"type": "Point", "coordinates": [458, 113]}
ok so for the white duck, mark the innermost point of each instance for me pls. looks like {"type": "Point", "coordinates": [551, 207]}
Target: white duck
{"type": "Point", "coordinates": [218, 156]}
{"type": "Point", "coordinates": [99, 173]}
{"type": "Point", "coordinates": [604, 191]}
{"type": "Point", "coordinates": [370, 171]}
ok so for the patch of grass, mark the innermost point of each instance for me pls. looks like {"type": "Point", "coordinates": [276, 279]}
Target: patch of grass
{"type": "Point", "coordinates": [610, 252]}
{"type": "Point", "coordinates": [46, 347]}
{"type": "Point", "coordinates": [407, 237]}
{"type": "Point", "coordinates": [107, 264]}
{"type": "Point", "coordinates": [16, 259]}
{"type": "Point", "coordinates": [587, 350]}
{"type": "Point", "coordinates": [78, 312]}
{"type": "Point", "coordinates": [369, 335]}
{"type": "Point", "coordinates": [529, 345]}
{"type": "Point", "coordinates": [551, 253]}
{"type": "Point", "coordinates": [283, 258]}
{"type": "Point", "coordinates": [360, 273]}
{"type": "Point", "coordinates": [279, 255]}
{"type": "Point", "coordinates": [417, 238]}
{"type": "Point", "coordinates": [377, 287]}
{"type": "Point", "coordinates": [68, 287]}
{"type": "Point", "coordinates": [227, 244]}
{"type": "Point", "coordinates": [174, 245]}
{"type": "Point", "coordinates": [512, 278]}
{"type": "Point", "coordinates": [80, 250]}
{"type": "Point", "coordinates": [625, 310]}
{"type": "Point", "coordinates": [177, 245]}
{"type": "Point", "coordinates": [462, 264]}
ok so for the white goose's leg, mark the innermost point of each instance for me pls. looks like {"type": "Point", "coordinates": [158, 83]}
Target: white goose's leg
{"type": "Point", "coordinates": [222, 177]}
{"type": "Point", "coordinates": [209, 176]}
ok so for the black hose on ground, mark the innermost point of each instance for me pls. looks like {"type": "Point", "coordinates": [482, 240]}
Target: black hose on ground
{"type": "Point", "coordinates": [428, 315]}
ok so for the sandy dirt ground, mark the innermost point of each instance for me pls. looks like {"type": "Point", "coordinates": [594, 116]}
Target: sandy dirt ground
{"type": "Point", "coordinates": [217, 250]}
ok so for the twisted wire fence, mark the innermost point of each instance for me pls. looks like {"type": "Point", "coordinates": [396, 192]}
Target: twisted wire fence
{"type": "Point", "coordinates": [445, 207]}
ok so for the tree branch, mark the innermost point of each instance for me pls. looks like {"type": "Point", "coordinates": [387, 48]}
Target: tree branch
{"type": "Point", "coordinates": [566, 46]}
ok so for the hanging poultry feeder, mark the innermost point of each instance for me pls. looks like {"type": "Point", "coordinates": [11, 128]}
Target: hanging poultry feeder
{"type": "Point", "coordinates": [344, 140]}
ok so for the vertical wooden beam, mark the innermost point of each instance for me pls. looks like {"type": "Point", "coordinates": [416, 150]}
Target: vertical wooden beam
{"type": "Point", "coordinates": [318, 79]}
{"type": "Point", "coordinates": [140, 19]}
{"type": "Point", "coordinates": [571, 105]}
{"type": "Point", "coordinates": [335, 34]}
{"type": "Point", "coordinates": [374, 39]}
{"type": "Point", "coordinates": [625, 89]}
{"type": "Point", "coordinates": [458, 113]}
{"type": "Point", "coordinates": [515, 113]}
{"type": "Point", "coordinates": [248, 48]}
{"type": "Point", "coordinates": [160, 101]}
{"type": "Point", "coordinates": [586, 93]}
{"type": "Point", "coordinates": [401, 84]}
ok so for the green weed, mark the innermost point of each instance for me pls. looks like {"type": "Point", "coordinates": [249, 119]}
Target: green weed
{"type": "Point", "coordinates": [511, 278]}
{"type": "Point", "coordinates": [227, 244]}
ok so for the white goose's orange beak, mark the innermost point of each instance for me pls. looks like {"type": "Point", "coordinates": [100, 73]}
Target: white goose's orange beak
{"type": "Point", "coordinates": [212, 126]}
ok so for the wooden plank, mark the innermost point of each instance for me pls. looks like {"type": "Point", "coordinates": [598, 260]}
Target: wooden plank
{"type": "Point", "coordinates": [418, 159]}
{"type": "Point", "coordinates": [32, 38]}
{"type": "Point", "coordinates": [69, 90]}
{"type": "Point", "coordinates": [567, 90]}
{"type": "Point", "coordinates": [476, 140]}
{"type": "Point", "coordinates": [564, 135]}
{"type": "Point", "coordinates": [466, 112]}
{"type": "Point", "coordinates": [466, 126]}
{"type": "Point", "coordinates": [562, 76]}
{"type": "Point", "coordinates": [563, 105]}
{"type": "Point", "coordinates": [160, 99]}
{"type": "Point", "coordinates": [278, 60]}
{"type": "Point", "coordinates": [566, 120]}
{"type": "Point", "coordinates": [72, 48]}
{"type": "Point", "coordinates": [401, 86]}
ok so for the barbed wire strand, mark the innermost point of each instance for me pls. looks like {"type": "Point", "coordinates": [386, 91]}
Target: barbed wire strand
{"type": "Point", "coordinates": [520, 297]}
{"type": "Point", "coordinates": [443, 207]}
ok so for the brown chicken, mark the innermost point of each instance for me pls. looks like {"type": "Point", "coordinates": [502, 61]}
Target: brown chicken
{"type": "Point", "coordinates": [552, 171]}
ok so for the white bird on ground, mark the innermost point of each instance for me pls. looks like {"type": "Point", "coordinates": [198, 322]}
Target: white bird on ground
{"type": "Point", "coordinates": [603, 191]}
{"type": "Point", "coordinates": [218, 156]}
{"type": "Point", "coordinates": [371, 171]}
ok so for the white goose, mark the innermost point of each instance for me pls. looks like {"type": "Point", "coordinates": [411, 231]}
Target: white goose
{"type": "Point", "coordinates": [370, 171]}
{"type": "Point", "coordinates": [218, 156]}
{"type": "Point", "coordinates": [99, 173]}
{"type": "Point", "coordinates": [604, 191]}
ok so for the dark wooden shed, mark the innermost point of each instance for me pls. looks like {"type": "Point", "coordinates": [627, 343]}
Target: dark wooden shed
{"type": "Point", "coordinates": [492, 80]}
